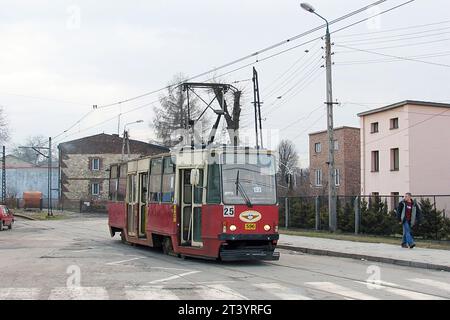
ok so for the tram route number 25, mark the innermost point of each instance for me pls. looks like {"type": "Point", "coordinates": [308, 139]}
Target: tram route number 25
{"type": "Point", "coordinates": [228, 211]}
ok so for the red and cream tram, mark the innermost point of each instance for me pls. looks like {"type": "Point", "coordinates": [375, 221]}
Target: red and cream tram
{"type": "Point", "coordinates": [210, 203]}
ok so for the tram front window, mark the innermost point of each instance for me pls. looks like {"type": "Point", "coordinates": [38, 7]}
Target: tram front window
{"type": "Point", "coordinates": [249, 179]}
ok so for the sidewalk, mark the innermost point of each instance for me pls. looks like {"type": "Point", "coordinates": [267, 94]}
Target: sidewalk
{"type": "Point", "coordinates": [378, 252]}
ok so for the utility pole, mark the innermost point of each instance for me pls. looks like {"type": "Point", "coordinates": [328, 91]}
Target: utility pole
{"type": "Point", "coordinates": [330, 124]}
{"type": "Point", "coordinates": [4, 176]}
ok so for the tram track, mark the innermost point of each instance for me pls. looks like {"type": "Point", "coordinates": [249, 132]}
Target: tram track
{"type": "Point", "coordinates": [215, 268]}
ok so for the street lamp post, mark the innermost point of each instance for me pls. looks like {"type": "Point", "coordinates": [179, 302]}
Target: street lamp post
{"type": "Point", "coordinates": [126, 138]}
{"type": "Point", "coordinates": [330, 125]}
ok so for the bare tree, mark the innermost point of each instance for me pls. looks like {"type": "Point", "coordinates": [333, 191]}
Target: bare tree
{"type": "Point", "coordinates": [30, 155]}
{"type": "Point", "coordinates": [288, 159]}
{"type": "Point", "coordinates": [4, 130]}
{"type": "Point", "coordinates": [172, 114]}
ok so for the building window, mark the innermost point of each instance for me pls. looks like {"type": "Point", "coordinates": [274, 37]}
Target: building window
{"type": "Point", "coordinates": [374, 127]}
{"type": "Point", "coordinates": [395, 159]}
{"type": "Point", "coordinates": [336, 145]}
{"type": "Point", "coordinates": [318, 178]}
{"type": "Point", "coordinates": [318, 147]}
{"type": "Point", "coordinates": [95, 189]}
{"type": "Point", "coordinates": [95, 164]}
{"type": "Point", "coordinates": [337, 177]}
{"type": "Point", "coordinates": [394, 123]}
{"type": "Point", "coordinates": [375, 161]}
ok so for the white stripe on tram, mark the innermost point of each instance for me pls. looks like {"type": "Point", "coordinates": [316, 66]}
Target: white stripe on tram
{"type": "Point", "coordinates": [150, 293]}
{"type": "Point", "coordinates": [79, 293]}
{"type": "Point", "coordinates": [281, 291]}
{"type": "Point", "coordinates": [19, 293]}
{"type": "Point", "coordinates": [340, 290]}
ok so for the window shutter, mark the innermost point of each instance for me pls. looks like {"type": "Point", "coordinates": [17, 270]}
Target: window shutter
{"type": "Point", "coordinates": [89, 163]}
{"type": "Point", "coordinates": [90, 188]}
{"type": "Point", "coordinates": [100, 188]}
{"type": "Point", "coordinates": [100, 164]}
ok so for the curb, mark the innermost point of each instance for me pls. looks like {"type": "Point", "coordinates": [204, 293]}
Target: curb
{"type": "Point", "coordinates": [404, 263]}
{"type": "Point", "coordinates": [24, 217]}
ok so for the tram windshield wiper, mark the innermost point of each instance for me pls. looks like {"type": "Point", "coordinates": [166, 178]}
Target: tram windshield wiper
{"type": "Point", "coordinates": [243, 193]}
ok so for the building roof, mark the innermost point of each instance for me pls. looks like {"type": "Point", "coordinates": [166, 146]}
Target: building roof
{"type": "Point", "coordinates": [335, 129]}
{"type": "Point", "coordinates": [106, 143]}
{"type": "Point", "coordinates": [404, 103]}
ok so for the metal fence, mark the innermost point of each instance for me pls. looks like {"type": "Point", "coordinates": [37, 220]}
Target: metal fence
{"type": "Point", "coordinates": [371, 215]}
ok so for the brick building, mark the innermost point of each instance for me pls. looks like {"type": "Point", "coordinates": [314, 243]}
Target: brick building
{"type": "Point", "coordinates": [83, 165]}
{"type": "Point", "coordinates": [347, 161]}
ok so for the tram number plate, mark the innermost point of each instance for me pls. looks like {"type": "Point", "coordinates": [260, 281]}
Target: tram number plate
{"type": "Point", "coordinates": [250, 226]}
{"type": "Point", "coordinates": [228, 211]}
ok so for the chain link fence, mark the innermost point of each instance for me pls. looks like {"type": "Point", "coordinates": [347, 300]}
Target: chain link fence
{"type": "Point", "coordinates": [369, 215]}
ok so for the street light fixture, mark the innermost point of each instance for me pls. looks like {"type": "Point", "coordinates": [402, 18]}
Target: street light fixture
{"type": "Point", "coordinates": [126, 141]}
{"type": "Point", "coordinates": [330, 125]}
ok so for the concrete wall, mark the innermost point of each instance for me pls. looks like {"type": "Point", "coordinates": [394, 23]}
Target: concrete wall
{"type": "Point", "coordinates": [21, 180]}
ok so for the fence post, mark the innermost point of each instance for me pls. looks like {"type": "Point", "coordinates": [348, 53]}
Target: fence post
{"type": "Point", "coordinates": [316, 207]}
{"type": "Point", "coordinates": [286, 209]}
{"type": "Point", "coordinates": [357, 215]}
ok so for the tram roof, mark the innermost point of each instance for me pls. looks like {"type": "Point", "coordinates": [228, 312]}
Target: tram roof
{"type": "Point", "coordinates": [200, 152]}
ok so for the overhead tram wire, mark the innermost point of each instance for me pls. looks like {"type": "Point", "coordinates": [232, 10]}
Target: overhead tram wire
{"type": "Point", "coordinates": [272, 47]}
{"type": "Point", "coordinates": [115, 117]}
{"type": "Point", "coordinates": [393, 30]}
{"type": "Point", "coordinates": [403, 45]}
{"type": "Point", "coordinates": [396, 57]}
{"type": "Point", "coordinates": [378, 61]}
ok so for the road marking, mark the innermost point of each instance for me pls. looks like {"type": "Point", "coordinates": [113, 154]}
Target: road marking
{"type": "Point", "coordinates": [150, 293]}
{"type": "Point", "coordinates": [218, 292]}
{"type": "Point", "coordinates": [433, 283]}
{"type": "Point", "coordinates": [79, 293]}
{"type": "Point", "coordinates": [340, 290]}
{"type": "Point", "coordinates": [281, 291]}
{"type": "Point", "coordinates": [122, 261]}
{"type": "Point", "coordinates": [412, 294]}
{"type": "Point", "coordinates": [19, 293]}
{"type": "Point", "coordinates": [177, 276]}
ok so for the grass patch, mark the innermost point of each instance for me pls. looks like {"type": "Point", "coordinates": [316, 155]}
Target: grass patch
{"type": "Point", "coordinates": [429, 244]}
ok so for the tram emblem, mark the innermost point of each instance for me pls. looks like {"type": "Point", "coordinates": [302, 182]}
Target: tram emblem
{"type": "Point", "coordinates": [250, 216]}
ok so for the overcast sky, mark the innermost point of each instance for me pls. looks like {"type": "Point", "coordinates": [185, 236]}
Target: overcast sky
{"type": "Point", "coordinates": [58, 58]}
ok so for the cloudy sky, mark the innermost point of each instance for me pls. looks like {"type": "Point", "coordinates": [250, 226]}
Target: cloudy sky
{"type": "Point", "coordinates": [59, 58]}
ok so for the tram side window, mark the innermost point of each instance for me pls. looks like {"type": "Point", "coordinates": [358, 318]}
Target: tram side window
{"type": "Point", "coordinates": [168, 180]}
{"type": "Point", "coordinates": [132, 188]}
{"type": "Point", "coordinates": [113, 183]}
{"type": "Point", "coordinates": [122, 183]}
{"type": "Point", "coordinates": [213, 193]}
{"type": "Point", "coordinates": [155, 180]}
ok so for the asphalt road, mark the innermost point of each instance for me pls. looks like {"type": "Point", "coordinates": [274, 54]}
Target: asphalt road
{"type": "Point", "coordinates": [77, 259]}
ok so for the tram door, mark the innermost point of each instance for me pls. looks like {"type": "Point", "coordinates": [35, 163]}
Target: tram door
{"type": "Point", "coordinates": [132, 205]}
{"type": "Point", "coordinates": [143, 191]}
{"type": "Point", "coordinates": [191, 208]}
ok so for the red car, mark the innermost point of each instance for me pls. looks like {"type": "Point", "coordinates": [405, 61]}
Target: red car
{"type": "Point", "coordinates": [6, 217]}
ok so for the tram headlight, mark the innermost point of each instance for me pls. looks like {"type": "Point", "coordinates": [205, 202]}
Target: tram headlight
{"type": "Point", "coordinates": [233, 227]}
{"type": "Point", "coordinates": [267, 227]}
